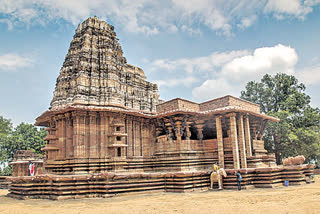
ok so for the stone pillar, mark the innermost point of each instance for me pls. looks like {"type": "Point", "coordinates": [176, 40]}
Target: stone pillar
{"type": "Point", "coordinates": [61, 136]}
{"type": "Point", "coordinates": [220, 141]}
{"type": "Point", "coordinates": [86, 136]}
{"type": "Point", "coordinates": [103, 132]}
{"type": "Point", "coordinates": [158, 131]}
{"type": "Point", "coordinates": [242, 145]}
{"type": "Point", "coordinates": [247, 135]}
{"type": "Point", "coordinates": [79, 132]}
{"type": "Point", "coordinates": [234, 140]}
{"type": "Point", "coordinates": [75, 141]}
{"type": "Point", "coordinates": [178, 133]}
{"type": "Point", "coordinates": [69, 144]}
{"type": "Point", "coordinates": [169, 127]}
{"type": "Point", "coordinates": [83, 138]}
{"type": "Point", "coordinates": [57, 141]}
{"type": "Point", "coordinates": [199, 127]}
{"type": "Point", "coordinates": [137, 138]}
{"type": "Point", "coordinates": [93, 144]}
{"type": "Point", "coordinates": [188, 131]}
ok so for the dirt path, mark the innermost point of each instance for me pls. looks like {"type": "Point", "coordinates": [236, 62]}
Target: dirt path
{"type": "Point", "coordinates": [294, 199]}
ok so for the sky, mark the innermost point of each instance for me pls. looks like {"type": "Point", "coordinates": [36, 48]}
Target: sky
{"type": "Point", "coordinates": [193, 49]}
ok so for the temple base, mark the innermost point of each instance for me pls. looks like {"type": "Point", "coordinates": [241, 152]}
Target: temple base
{"type": "Point", "coordinates": [110, 184]}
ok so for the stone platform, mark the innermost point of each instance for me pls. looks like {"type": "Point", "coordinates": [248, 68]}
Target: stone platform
{"type": "Point", "coordinates": [4, 183]}
{"type": "Point", "coordinates": [111, 184]}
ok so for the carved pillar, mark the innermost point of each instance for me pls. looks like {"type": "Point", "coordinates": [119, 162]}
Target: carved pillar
{"type": "Point", "coordinates": [169, 127]}
{"type": "Point", "coordinates": [199, 127]}
{"type": "Point", "coordinates": [234, 140]}
{"type": "Point", "coordinates": [242, 142]}
{"type": "Point", "coordinates": [76, 133]}
{"type": "Point", "coordinates": [61, 135]}
{"type": "Point", "coordinates": [83, 138]}
{"type": "Point", "coordinates": [79, 132]}
{"type": "Point", "coordinates": [104, 132]}
{"type": "Point", "coordinates": [247, 135]}
{"type": "Point", "coordinates": [93, 144]}
{"type": "Point", "coordinates": [255, 133]}
{"type": "Point", "coordinates": [188, 131]}
{"type": "Point", "coordinates": [178, 130]}
{"type": "Point", "coordinates": [158, 131]}
{"type": "Point", "coordinates": [220, 141]}
{"type": "Point", "coordinates": [69, 143]}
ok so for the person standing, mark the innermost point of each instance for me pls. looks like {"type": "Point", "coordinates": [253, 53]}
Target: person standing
{"type": "Point", "coordinates": [239, 179]}
{"type": "Point", "coordinates": [31, 168]}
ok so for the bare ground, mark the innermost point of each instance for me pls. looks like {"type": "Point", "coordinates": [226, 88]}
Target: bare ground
{"type": "Point", "coordinates": [293, 199]}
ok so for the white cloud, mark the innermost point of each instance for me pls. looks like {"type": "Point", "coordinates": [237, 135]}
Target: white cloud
{"type": "Point", "coordinates": [247, 22]}
{"type": "Point", "coordinates": [190, 65]}
{"type": "Point", "coordinates": [236, 73]}
{"type": "Point", "coordinates": [311, 2]}
{"type": "Point", "coordinates": [295, 8]}
{"type": "Point", "coordinates": [8, 22]}
{"type": "Point", "coordinates": [270, 60]}
{"type": "Point", "coordinates": [222, 73]}
{"type": "Point", "coordinates": [189, 71]}
{"type": "Point", "coordinates": [11, 62]}
{"type": "Point", "coordinates": [172, 82]}
{"type": "Point", "coordinates": [151, 17]}
{"type": "Point", "coordinates": [190, 30]}
{"type": "Point", "coordinates": [310, 75]}
{"type": "Point", "coordinates": [212, 88]}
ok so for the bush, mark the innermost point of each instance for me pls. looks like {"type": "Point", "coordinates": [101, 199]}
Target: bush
{"type": "Point", "coordinates": [6, 171]}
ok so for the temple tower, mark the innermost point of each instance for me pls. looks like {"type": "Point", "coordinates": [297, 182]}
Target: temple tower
{"type": "Point", "coordinates": [96, 73]}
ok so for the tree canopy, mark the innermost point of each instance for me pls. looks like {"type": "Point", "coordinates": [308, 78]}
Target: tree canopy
{"type": "Point", "coordinates": [282, 96]}
{"type": "Point", "coordinates": [23, 137]}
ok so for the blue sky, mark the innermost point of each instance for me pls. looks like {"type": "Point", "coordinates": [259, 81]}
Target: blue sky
{"type": "Point", "coordinates": [193, 49]}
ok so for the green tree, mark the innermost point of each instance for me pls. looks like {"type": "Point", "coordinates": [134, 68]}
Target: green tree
{"type": "Point", "coordinates": [282, 96]}
{"type": "Point", "coordinates": [24, 137]}
{"type": "Point", "coordinates": [6, 171]}
{"type": "Point", "coordinates": [5, 126]}
{"type": "Point", "coordinates": [5, 130]}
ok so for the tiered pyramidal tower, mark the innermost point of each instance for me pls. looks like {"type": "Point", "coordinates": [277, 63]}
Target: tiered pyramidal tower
{"type": "Point", "coordinates": [95, 73]}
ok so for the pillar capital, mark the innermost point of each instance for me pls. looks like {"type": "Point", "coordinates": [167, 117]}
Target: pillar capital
{"type": "Point", "coordinates": [218, 116]}
{"type": "Point", "coordinates": [232, 114]}
{"type": "Point", "coordinates": [79, 113]}
{"type": "Point", "coordinates": [67, 115]}
{"type": "Point", "coordinates": [246, 116]}
{"type": "Point", "coordinates": [92, 114]}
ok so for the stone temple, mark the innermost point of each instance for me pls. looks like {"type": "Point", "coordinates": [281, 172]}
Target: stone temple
{"type": "Point", "coordinates": [109, 133]}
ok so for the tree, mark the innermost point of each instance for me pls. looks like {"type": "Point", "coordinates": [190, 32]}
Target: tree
{"type": "Point", "coordinates": [6, 171]}
{"type": "Point", "coordinates": [5, 130]}
{"type": "Point", "coordinates": [5, 126]}
{"type": "Point", "coordinates": [24, 137]}
{"type": "Point", "coordinates": [282, 96]}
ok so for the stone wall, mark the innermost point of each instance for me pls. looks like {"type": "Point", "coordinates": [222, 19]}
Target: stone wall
{"type": "Point", "coordinates": [243, 104]}
{"type": "Point", "coordinates": [21, 168]}
{"type": "Point", "coordinates": [226, 101]}
{"type": "Point", "coordinates": [222, 102]}
{"type": "Point", "coordinates": [178, 104]}
{"type": "Point", "coordinates": [21, 160]}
